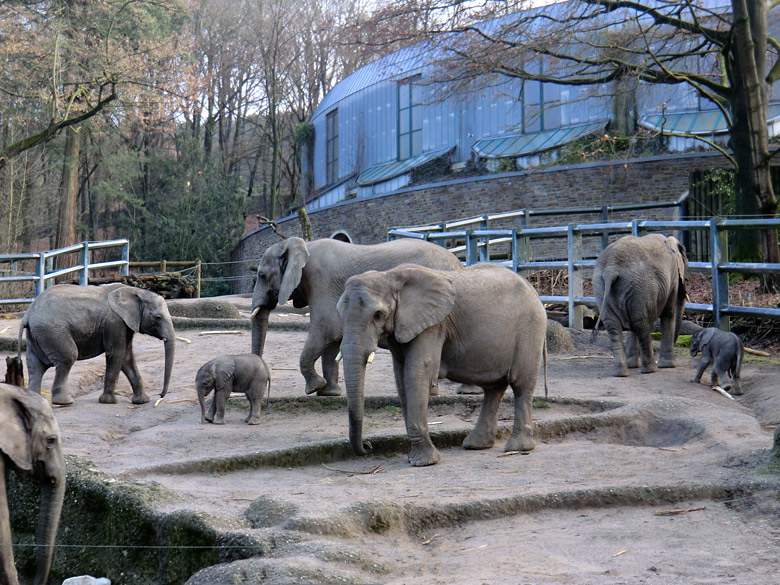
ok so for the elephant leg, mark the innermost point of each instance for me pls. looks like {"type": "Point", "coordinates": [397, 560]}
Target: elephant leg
{"type": "Point", "coordinates": [7, 568]}
{"type": "Point", "coordinates": [632, 350]}
{"type": "Point", "coordinates": [646, 351]}
{"type": "Point", "coordinates": [703, 363]}
{"type": "Point", "coordinates": [221, 395]}
{"type": "Point", "coordinates": [666, 353]}
{"type": "Point", "coordinates": [619, 367]}
{"type": "Point", "coordinates": [419, 373]}
{"type": "Point", "coordinates": [483, 436]}
{"type": "Point", "coordinates": [312, 350]}
{"type": "Point", "coordinates": [59, 389]}
{"type": "Point", "coordinates": [212, 409]}
{"type": "Point", "coordinates": [35, 371]}
{"type": "Point", "coordinates": [330, 370]}
{"type": "Point", "coordinates": [522, 437]}
{"type": "Point", "coordinates": [130, 370]}
{"type": "Point", "coordinates": [718, 376]}
{"type": "Point", "coordinates": [255, 396]}
{"type": "Point", "coordinates": [114, 361]}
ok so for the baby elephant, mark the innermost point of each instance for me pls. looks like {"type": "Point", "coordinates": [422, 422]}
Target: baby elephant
{"type": "Point", "coordinates": [723, 350]}
{"type": "Point", "coordinates": [232, 373]}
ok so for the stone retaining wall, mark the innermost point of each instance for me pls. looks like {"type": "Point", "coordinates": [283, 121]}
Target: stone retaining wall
{"type": "Point", "coordinates": [366, 221]}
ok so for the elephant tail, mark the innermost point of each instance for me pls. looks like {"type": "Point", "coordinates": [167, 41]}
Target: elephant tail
{"type": "Point", "coordinates": [22, 327]}
{"type": "Point", "coordinates": [267, 393]}
{"type": "Point", "coordinates": [544, 361]}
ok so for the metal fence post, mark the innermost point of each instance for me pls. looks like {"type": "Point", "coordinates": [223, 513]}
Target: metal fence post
{"type": "Point", "coordinates": [719, 254]}
{"type": "Point", "coordinates": [575, 277]}
{"type": "Point", "coordinates": [484, 252]}
{"type": "Point", "coordinates": [49, 267]}
{"type": "Point", "coordinates": [472, 252]}
{"type": "Point", "coordinates": [84, 277]}
{"type": "Point", "coordinates": [604, 219]}
{"type": "Point", "coordinates": [40, 270]}
{"type": "Point", "coordinates": [125, 270]}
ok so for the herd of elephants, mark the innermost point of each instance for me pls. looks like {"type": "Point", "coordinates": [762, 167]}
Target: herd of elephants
{"type": "Point", "coordinates": [481, 325]}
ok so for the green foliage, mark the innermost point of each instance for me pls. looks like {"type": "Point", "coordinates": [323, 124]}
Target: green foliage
{"type": "Point", "coordinates": [193, 210]}
{"type": "Point", "coordinates": [682, 340]}
{"type": "Point", "coordinates": [303, 132]}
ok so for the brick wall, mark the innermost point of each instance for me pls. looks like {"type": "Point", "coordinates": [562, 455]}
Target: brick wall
{"type": "Point", "coordinates": [654, 179]}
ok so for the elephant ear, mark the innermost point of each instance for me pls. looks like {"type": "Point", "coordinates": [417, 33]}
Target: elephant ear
{"type": "Point", "coordinates": [292, 260]}
{"type": "Point", "coordinates": [125, 302]}
{"type": "Point", "coordinates": [15, 425]}
{"type": "Point", "coordinates": [224, 373]}
{"type": "Point", "coordinates": [706, 336]}
{"type": "Point", "coordinates": [678, 249]}
{"type": "Point", "coordinates": [424, 299]}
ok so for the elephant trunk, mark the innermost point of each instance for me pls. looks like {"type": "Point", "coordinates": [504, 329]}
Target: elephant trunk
{"type": "Point", "coordinates": [259, 329]}
{"type": "Point", "coordinates": [355, 378]}
{"type": "Point", "coordinates": [52, 495]}
{"type": "Point", "coordinates": [170, 348]}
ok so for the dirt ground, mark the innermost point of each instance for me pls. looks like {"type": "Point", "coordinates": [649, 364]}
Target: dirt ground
{"type": "Point", "coordinates": [645, 479]}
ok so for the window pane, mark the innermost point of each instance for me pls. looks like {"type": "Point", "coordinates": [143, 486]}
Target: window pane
{"type": "Point", "coordinates": [416, 143]}
{"type": "Point", "coordinates": [416, 118]}
{"type": "Point", "coordinates": [403, 95]}
{"type": "Point", "coordinates": [403, 122]}
{"type": "Point", "coordinates": [403, 148]}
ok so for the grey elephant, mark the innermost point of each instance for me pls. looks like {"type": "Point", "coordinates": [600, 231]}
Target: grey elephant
{"type": "Point", "coordinates": [30, 444]}
{"type": "Point", "coordinates": [246, 373]}
{"type": "Point", "coordinates": [483, 325]}
{"type": "Point", "coordinates": [635, 281]}
{"type": "Point", "coordinates": [313, 274]}
{"type": "Point", "coordinates": [722, 349]}
{"type": "Point", "coordinates": [67, 323]}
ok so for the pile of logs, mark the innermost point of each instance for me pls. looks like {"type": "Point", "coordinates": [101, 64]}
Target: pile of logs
{"type": "Point", "coordinates": [169, 285]}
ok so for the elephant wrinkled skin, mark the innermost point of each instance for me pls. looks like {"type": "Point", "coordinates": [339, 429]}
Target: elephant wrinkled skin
{"type": "Point", "coordinates": [30, 444]}
{"type": "Point", "coordinates": [722, 349]}
{"type": "Point", "coordinates": [246, 373]}
{"type": "Point", "coordinates": [483, 325]}
{"type": "Point", "coordinates": [635, 281]}
{"type": "Point", "coordinates": [313, 274]}
{"type": "Point", "coordinates": [67, 323]}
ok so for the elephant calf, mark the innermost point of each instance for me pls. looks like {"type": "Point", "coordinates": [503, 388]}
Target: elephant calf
{"type": "Point", "coordinates": [245, 373]}
{"type": "Point", "coordinates": [724, 351]}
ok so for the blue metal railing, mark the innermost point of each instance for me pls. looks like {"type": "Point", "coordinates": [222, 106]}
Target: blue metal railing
{"type": "Point", "coordinates": [478, 242]}
{"type": "Point", "coordinates": [45, 274]}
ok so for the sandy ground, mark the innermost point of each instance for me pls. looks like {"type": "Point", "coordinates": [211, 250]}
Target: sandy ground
{"type": "Point", "coordinates": [582, 508]}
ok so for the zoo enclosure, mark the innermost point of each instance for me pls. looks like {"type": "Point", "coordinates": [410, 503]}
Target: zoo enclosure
{"type": "Point", "coordinates": [45, 263]}
{"type": "Point", "coordinates": [45, 271]}
{"type": "Point", "coordinates": [585, 241]}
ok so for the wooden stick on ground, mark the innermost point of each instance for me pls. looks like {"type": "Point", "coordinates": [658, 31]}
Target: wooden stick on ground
{"type": "Point", "coordinates": [376, 469]}
{"type": "Point", "coordinates": [674, 512]}
{"type": "Point", "coordinates": [758, 352]}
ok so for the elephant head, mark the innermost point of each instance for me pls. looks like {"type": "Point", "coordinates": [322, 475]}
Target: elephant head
{"type": "Point", "coordinates": [30, 440]}
{"type": "Point", "coordinates": [398, 304]}
{"type": "Point", "coordinates": [700, 339]}
{"type": "Point", "coordinates": [278, 275]}
{"type": "Point", "coordinates": [146, 312]}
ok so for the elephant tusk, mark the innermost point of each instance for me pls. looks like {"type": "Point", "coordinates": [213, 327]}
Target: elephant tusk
{"type": "Point", "coordinates": [254, 313]}
{"type": "Point", "coordinates": [338, 357]}
{"type": "Point", "coordinates": [370, 359]}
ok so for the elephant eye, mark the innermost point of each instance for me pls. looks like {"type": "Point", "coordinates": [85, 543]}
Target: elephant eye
{"type": "Point", "coordinates": [51, 441]}
{"type": "Point", "coordinates": [379, 315]}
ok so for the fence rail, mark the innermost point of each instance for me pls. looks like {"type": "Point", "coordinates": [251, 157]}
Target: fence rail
{"type": "Point", "coordinates": [45, 273]}
{"type": "Point", "coordinates": [478, 242]}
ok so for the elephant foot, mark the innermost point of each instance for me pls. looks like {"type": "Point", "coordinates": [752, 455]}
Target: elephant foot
{"type": "Point", "coordinates": [648, 368]}
{"type": "Point", "coordinates": [695, 380]}
{"type": "Point", "coordinates": [253, 421]}
{"type": "Point", "coordinates": [218, 421]}
{"type": "Point", "coordinates": [737, 389]}
{"type": "Point", "coordinates": [666, 363]}
{"type": "Point", "coordinates": [520, 443]}
{"type": "Point", "coordinates": [434, 391]}
{"type": "Point", "coordinates": [476, 440]}
{"type": "Point", "coordinates": [469, 389]}
{"type": "Point", "coordinates": [107, 398]}
{"type": "Point", "coordinates": [633, 364]}
{"type": "Point", "coordinates": [620, 372]}
{"type": "Point", "coordinates": [422, 456]}
{"type": "Point", "coordinates": [61, 398]}
{"type": "Point", "coordinates": [330, 390]}
{"type": "Point", "coordinates": [142, 398]}
{"type": "Point", "coordinates": [315, 385]}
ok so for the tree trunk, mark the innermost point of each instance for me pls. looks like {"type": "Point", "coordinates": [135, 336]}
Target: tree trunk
{"type": "Point", "coordinates": [66, 227]}
{"type": "Point", "coordinates": [750, 135]}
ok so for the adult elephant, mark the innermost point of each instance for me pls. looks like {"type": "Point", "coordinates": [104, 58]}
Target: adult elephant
{"type": "Point", "coordinates": [635, 281]}
{"type": "Point", "coordinates": [484, 325]}
{"type": "Point", "coordinates": [313, 274]}
{"type": "Point", "coordinates": [30, 444]}
{"type": "Point", "coordinates": [67, 323]}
